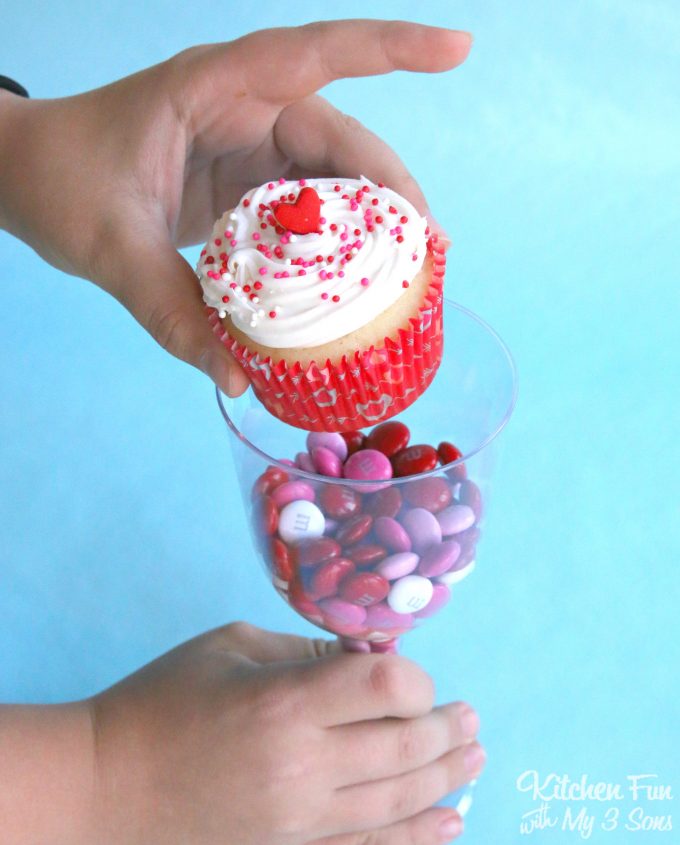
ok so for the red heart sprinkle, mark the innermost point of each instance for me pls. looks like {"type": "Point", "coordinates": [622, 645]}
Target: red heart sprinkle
{"type": "Point", "coordinates": [302, 216]}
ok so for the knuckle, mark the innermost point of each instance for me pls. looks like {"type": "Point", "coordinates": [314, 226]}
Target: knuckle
{"type": "Point", "coordinates": [349, 125]}
{"type": "Point", "coordinates": [386, 678]}
{"type": "Point", "coordinates": [166, 324]}
{"type": "Point", "coordinates": [409, 745]}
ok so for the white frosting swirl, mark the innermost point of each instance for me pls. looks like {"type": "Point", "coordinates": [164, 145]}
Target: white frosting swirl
{"type": "Point", "coordinates": [371, 242]}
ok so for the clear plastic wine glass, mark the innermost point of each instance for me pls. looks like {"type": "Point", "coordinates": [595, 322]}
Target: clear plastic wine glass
{"type": "Point", "coordinates": [365, 560]}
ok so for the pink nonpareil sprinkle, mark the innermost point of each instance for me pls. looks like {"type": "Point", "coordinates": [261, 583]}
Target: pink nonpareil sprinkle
{"type": "Point", "coordinates": [344, 236]}
{"type": "Point", "coordinates": [341, 274]}
{"type": "Point", "coordinates": [354, 205]}
{"type": "Point", "coordinates": [322, 220]}
{"type": "Point", "coordinates": [282, 181]}
{"type": "Point", "coordinates": [302, 272]}
{"type": "Point", "coordinates": [262, 271]}
{"type": "Point", "coordinates": [302, 183]}
{"type": "Point", "coordinates": [256, 236]}
{"type": "Point", "coordinates": [232, 243]}
{"type": "Point", "coordinates": [322, 275]}
{"type": "Point", "coordinates": [324, 296]}
{"type": "Point", "coordinates": [364, 281]}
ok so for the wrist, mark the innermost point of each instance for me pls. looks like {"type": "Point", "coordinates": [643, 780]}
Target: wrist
{"type": "Point", "coordinates": [46, 774]}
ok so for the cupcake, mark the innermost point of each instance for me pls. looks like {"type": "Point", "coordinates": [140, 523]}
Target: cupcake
{"type": "Point", "coordinates": [328, 292]}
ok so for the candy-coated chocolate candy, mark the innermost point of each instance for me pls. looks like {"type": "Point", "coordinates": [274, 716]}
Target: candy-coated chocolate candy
{"type": "Point", "coordinates": [339, 502]}
{"type": "Point", "coordinates": [354, 530]}
{"type": "Point", "coordinates": [300, 520]}
{"type": "Point", "coordinates": [344, 612]}
{"type": "Point", "coordinates": [326, 579]}
{"type": "Point", "coordinates": [270, 479]}
{"type": "Point", "coordinates": [385, 646]}
{"type": "Point", "coordinates": [453, 576]}
{"type": "Point", "coordinates": [368, 465]}
{"type": "Point", "coordinates": [448, 453]}
{"type": "Point", "coordinates": [291, 491]}
{"type": "Point", "coordinates": [304, 461]}
{"type": "Point", "coordinates": [326, 462]}
{"type": "Point", "coordinates": [328, 440]}
{"type": "Point", "coordinates": [366, 554]}
{"type": "Point", "coordinates": [440, 596]}
{"type": "Point", "coordinates": [391, 534]}
{"type": "Point", "coordinates": [266, 515]}
{"type": "Point", "coordinates": [287, 462]}
{"type": "Point", "coordinates": [364, 588]}
{"type": "Point", "coordinates": [456, 473]}
{"type": "Point", "coordinates": [359, 646]}
{"type": "Point", "coordinates": [331, 526]}
{"type": "Point", "coordinates": [385, 502]}
{"type": "Point", "coordinates": [315, 550]}
{"type": "Point", "coordinates": [432, 493]}
{"type": "Point", "coordinates": [413, 460]}
{"type": "Point", "coordinates": [381, 617]}
{"type": "Point", "coordinates": [469, 539]}
{"type": "Point", "coordinates": [410, 594]}
{"type": "Point", "coordinates": [423, 529]}
{"type": "Point", "coordinates": [301, 601]}
{"type": "Point", "coordinates": [389, 438]}
{"type": "Point", "coordinates": [471, 496]}
{"type": "Point", "coordinates": [354, 439]}
{"type": "Point", "coordinates": [396, 566]}
{"type": "Point", "coordinates": [455, 519]}
{"type": "Point", "coordinates": [280, 558]}
{"type": "Point", "coordinates": [439, 559]}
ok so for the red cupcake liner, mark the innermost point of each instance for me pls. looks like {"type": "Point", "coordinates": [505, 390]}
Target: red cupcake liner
{"type": "Point", "coordinates": [360, 390]}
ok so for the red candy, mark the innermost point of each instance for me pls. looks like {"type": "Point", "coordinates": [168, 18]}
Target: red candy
{"type": "Point", "coordinates": [303, 603]}
{"type": "Point", "coordinates": [354, 439]}
{"type": "Point", "coordinates": [367, 554]}
{"type": "Point", "coordinates": [267, 515]}
{"type": "Point", "coordinates": [270, 479]}
{"type": "Point", "coordinates": [339, 502]}
{"type": "Point", "coordinates": [354, 530]}
{"type": "Point", "coordinates": [302, 216]}
{"type": "Point", "coordinates": [326, 579]}
{"type": "Point", "coordinates": [433, 494]}
{"type": "Point", "coordinates": [448, 453]}
{"type": "Point", "coordinates": [365, 588]}
{"type": "Point", "coordinates": [317, 550]}
{"type": "Point", "coordinates": [388, 438]}
{"type": "Point", "coordinates": [385, 502]}
{"type": "Point", "coordinates": [280, 556]}
{"type": "Point", "coordinates": [414, 459]}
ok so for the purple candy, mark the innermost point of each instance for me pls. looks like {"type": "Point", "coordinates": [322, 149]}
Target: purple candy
{"type": "Point", "coordinates": [381, 617]}
{"type": "Point", "coordinates": [304, 461]}
{"type": "Point", "coordinates": [331, 525]}
{"type": "Point", "coordinates": [423, 529]}
{"type": "Point", "coordinates": [349, 644]}
{"type": "Point", "coordinates": [439, 559]}
{"type": "Point", "coordinates": [344, 612]}
{"type": "Point", "coordinates": [368, 465]}
{"type": "Point", "coordinates": [326, 462]}
{"type": "Point", "coordinates": [392, 534]}
{"type": "Point", "coordinates": [328, 440]}
{"type": "Point", "coordinates": [440, 596]}
{"type": "Point", "coordinates": [396, 566]}
{"type": "Point", "coordinates": [456, 518]}
{"type": "Point", "coordinates": [292, 491]}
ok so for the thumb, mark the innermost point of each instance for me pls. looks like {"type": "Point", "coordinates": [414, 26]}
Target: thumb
{"type": "Point", "coordinates": [263, 646]}
{"type": "Point", "coordinates": [160, 289]}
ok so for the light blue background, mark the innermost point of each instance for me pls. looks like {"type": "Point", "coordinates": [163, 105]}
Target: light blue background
{"type": "Point", "coordinates": [553, 158]}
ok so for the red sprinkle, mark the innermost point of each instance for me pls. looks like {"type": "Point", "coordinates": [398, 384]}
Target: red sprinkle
{"type": "Point", "coordinates": [272, 314]}
{"type": "Point", "coordinates": [336, 298]}
{"type": "Point", "coordinates": [378, 219]}
{"type": "Point", "coordinates": [336, 188]}
{"type": "Point", "coordinates": [225, 299]}
{"type": "Point", "coordinates": [246, 203]}
{"type": "Point", "coordinates": [403, 219]}
{"type": "Point", "coordinates": [404, 284]}
{"type": "Point", "coordinates": [393, 210]}
{"type": "Point", "coordinates": [400, 239]}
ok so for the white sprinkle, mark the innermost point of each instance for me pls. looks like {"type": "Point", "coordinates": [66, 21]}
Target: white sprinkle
{"type": "Point", "coordinates": [222, 314]}
{"type": "Point", "coordinates": [255, 299]}
{"type": "Point", "coordinates": [292, 238]}
{"type": "Point", "coordinates": [232, 216]}
{"type": "Point", "coordinates": [260, 312]}
{"type": "Point", "coordinates": [354, 250]}
{"type": "Point", "coordinates": [277, 308]}
{"type": "Point", "coordinates": [289, 260]}
{"type": "Point", "coordinates": [226, 277]}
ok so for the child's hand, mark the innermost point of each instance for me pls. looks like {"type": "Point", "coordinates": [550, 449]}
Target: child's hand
{"type": "Point", "coordinates": [244, 737]}
{"type": "Point", "coordinates": [106, 184]}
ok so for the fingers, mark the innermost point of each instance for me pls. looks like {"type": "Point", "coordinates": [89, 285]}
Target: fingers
{"type": "Point", "coordinates": [162, 292]}
{"type": "Point", "coordinates": [385, 802]}
{"type": "Point", "coordinates": [263, 646]}
{"type": "Point", "coordinates": [367, 751]}
{"type": "Point", "coordinates": [283, 65]}
{"type": "Point", "coordinates": [347, 688]}
{"type": "Point", "coordinates": [434, 826]}
{"type": "Point", "coordinates": [335, 143]}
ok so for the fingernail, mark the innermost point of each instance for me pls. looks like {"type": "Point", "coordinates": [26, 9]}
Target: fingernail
{"type": "Point", "coordinates": [450, 827]}
{"type": "Point", "coordinates": [469, 722]}
{"type": "Point", "coordinates": [474, 758]}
